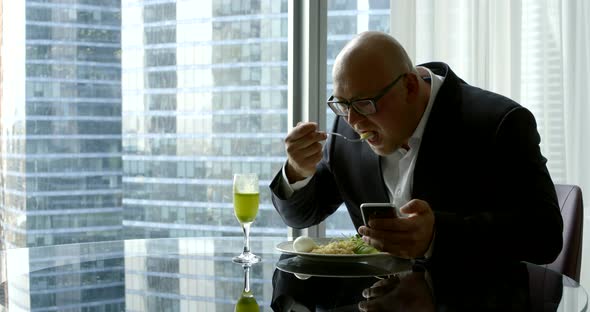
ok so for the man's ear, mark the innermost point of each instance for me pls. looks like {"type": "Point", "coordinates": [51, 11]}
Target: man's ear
{"type": "Point", "coordinates": [412, 84]}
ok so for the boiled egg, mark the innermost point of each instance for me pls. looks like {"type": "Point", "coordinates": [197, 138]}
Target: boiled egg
{"type": "Point", "coordinates": [304, 244]}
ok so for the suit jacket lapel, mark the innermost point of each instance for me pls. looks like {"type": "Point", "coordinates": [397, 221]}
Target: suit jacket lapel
{"type": "Point", "coordinates": [438, 132]}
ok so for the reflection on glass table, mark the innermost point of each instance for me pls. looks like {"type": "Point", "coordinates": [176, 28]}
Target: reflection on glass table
{"type": "Point", "coordinates": [183, 274]}
{"type": "Point", "coordinates": [197, 274]}
{"type": "Point", "coordinates": [456, 287]}
{"type": "Point", "coordinates": [246, 301]}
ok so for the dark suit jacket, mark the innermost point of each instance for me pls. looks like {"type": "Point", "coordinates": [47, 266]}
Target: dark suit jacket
{"type": "Point", "coordinates": [479, 167]}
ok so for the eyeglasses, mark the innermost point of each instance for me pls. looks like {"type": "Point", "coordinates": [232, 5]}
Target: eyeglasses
{"type": "Point", "coordinates": [361, 106]}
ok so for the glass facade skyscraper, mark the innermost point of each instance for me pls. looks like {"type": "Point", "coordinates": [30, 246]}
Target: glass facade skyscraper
{"type": "Point", "coordinates": [75, 277]}
{"type": "Point", "coordinates": [61, 125]}
{"type": "Point", "coordinates": [2, 259]}
{"type": "Point", "coordinates": [61, 162]}
{"type": "Point", "coordinates": [204, 97]}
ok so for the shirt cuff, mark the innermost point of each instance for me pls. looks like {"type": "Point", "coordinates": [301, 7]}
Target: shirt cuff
{"type": "Point", "coordinates": [288, 189]}
{"type": "Point", "coordinates": [428, 253]}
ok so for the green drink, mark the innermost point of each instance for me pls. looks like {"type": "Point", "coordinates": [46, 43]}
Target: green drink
{"type": "Point", "coordinates": [247, 303]}
{"type": "Point", "coordinates": [246, 206]}
{"type": "Point", "coordinates": [246, 199]}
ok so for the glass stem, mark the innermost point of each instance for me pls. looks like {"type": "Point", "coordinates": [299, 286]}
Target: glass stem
{"type": "Point", "coordinates": [246, 278]}
{"type": "Point", "coordinates": [246, 229]}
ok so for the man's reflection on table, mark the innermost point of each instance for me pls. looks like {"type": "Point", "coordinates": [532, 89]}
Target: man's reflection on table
{"type": "Point", "coordinates": [290, 293]}
{"type": "Point", "coordinates": [404, 291]}
{"type": "Point", "coordinates": [503, 288]}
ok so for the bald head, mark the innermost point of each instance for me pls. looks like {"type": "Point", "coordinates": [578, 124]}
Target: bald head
{"type": "Point", "coordinates": [372, 55]}
{"type": "Point", "coordinates": [371, 66]}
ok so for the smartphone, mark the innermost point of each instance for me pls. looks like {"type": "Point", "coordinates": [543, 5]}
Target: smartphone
{"type": "Point", "coordinates": [377, 210]}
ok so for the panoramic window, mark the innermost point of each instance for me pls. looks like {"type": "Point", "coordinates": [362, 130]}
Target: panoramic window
{"type": "Point", "coordinates": [346, 19]}
{"type": "Point", "coordinates": [134, 116]}
{"type": "Point", "coordinates": [204, 96]}
{"type": "Point", "coordinates": [138, 113]}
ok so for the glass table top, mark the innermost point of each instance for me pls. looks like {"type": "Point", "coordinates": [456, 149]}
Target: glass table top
{"type": "Point", "coordinates": [197, 274]}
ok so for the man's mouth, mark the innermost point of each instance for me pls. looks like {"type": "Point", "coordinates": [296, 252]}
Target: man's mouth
{"type": "Point", "coordinates": [367, 135]}
{"type": "Point", "coordinates": [371, 137]}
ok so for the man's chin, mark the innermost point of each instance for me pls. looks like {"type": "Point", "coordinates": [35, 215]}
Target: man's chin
{"type": "Point", "coordinates": [381, 150]}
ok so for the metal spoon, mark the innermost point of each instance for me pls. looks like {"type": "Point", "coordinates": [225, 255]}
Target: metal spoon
{"type": "Point", "coordinates": [351, 140]}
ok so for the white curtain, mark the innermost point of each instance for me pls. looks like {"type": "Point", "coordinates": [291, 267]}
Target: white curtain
{"type": "Point", "coordinates": [536, 52]}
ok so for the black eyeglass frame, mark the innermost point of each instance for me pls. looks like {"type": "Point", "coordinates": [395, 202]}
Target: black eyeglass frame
{"type": "Point", "coordinates": [341, 108]}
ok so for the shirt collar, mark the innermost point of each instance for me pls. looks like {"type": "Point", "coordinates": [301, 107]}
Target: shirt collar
{"type": "Point", "coordinates": [435, 83]}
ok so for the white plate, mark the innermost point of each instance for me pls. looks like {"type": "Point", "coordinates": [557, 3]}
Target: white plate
{"type": "Point", "coordinates": [287, 247]}
{"type": "Point", "coordinates": [304, 268]}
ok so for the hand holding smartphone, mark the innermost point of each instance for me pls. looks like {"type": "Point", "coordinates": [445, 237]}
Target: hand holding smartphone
{"type": "Point", "coordinates": [377, 210]}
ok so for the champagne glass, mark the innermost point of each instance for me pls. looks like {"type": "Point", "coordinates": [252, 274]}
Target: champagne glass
{"type": "Point", "coordinates": [246, 302]}
{"type": "Point", "coordinates": [246, 197]}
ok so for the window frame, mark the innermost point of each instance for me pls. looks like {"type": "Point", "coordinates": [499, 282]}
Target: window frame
{"type": "Point", "coordinates": [307, 74]}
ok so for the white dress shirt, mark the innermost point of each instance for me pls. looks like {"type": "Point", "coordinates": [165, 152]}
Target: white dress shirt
{"type": "Point", "coordinates": [398, 167]}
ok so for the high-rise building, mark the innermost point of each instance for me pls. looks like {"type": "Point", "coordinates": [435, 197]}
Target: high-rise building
{"type": "Point", "coordinates": [75, 277]}
{"type": "Point", "coordinates": [2, 258]}
{"type": "Point", "coordinates": [204, 97]}
{"type": "Point", "coordinates": [61, 122]}
{"type": "Point", "coordinates": [1, 145]}
{"type": "Point", "coordinates": [60, 161]}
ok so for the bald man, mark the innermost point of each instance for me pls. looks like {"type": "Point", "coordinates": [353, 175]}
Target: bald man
{"type": "Point", "coordinates": [462, 164]}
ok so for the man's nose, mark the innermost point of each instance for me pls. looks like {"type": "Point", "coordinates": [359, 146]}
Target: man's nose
{"type": "Point", "coordinates": [353, 116]}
